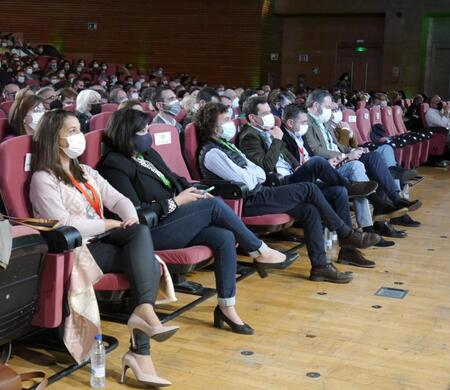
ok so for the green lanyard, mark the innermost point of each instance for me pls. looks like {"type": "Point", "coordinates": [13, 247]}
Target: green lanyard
{"type": "Point", "coordinates": [230, 146]}
{"type": "Point", "coordinates": [164, 179]}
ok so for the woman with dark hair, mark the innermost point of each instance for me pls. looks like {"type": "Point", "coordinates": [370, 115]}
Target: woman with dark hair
{"type": "Point", "coordinates": [25, 115]}
{"type": "Point", "coordinates": [187, 216]}
{"type": "Point", "coordinates": [75, 194]}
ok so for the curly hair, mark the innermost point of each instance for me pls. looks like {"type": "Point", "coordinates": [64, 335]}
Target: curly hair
{"type": "Point", "coordinates": [206, 121]}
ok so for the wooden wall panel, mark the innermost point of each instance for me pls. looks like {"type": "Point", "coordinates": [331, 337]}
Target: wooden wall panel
{"type": "Point", "coordinates": [218, 41]}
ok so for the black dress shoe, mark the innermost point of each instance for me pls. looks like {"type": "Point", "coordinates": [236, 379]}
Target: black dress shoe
{"type": "Point", "coordinates": [359, 240]}
{"type": "Point", "coordinates": [361, 188]}
{"type": "Point", "coordinates": [330, 274]}
{"type": "Point", "coordinates": [262, 268]}
{"type": "Point", "coordinates": [406, 220]}
{"type": "Point", "coordinates": [410, 205]}
{"type": "Point", "coordinates": [354, 257]}
{"type": "Point", "coordinates": [387, 230]}
{"type": "Point", "coordinates": [386, 212]}
{"type": "Point", "coordinates": [404, 175]}
{"type": "Point", "coordinates": [384, 243]}
{"type": "Point", "coordinates": [220, 318]}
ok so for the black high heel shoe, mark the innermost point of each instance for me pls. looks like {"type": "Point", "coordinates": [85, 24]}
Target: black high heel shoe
{"type": "Point", "coordinates": [220, 318]}
{"type": "Point", "coordinates": [262, 268]}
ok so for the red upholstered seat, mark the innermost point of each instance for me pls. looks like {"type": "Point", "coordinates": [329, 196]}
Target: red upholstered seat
{"type": "Point", "coordinates": [109, 107]}
{"type": "Point", "coordinates": [191, 255]}
{"type": "Point", "coordinates": [100, 121]}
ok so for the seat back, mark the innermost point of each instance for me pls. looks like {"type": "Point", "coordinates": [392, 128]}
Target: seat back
{"type": "Point", "coordinates": [190, 151]}
{"type": "Point", "coordinates": [397, 113]}
{"type": "Point", "coordinates": [181, 115]}
{"type": "Point", "coordinates": [109, 107]}
{"type": "Point", "coordinates": [166, 141]}
{"type": "Point", "coordinates": [3, 126]}
{"type": "Point", "coordinates": [349, 116]}
{"type": "Point", "coordinates": [360, 104]}
{"type": "Point", "coordinates": [15, 156]}
{"type": "Point", "coordinates": [424, 107]}
{"type": "Point", "coordinates": [6, 106]}
{"type": "Point", "coordinates": [375, 116]}
{"type": "Point", "coordinates": [94, 148]}
{"type": "Point", "coordinates": [388, 121]}
{"type": "Point", "coordinates": [407, 102]}
{"type": "Point", "coordinates": [363, 122]}
{"type": "Point", "coordinates": [100, 121]}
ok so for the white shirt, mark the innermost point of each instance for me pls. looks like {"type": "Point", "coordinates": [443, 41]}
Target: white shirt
{"type": "Point", "coordinates": [435, 118]}
{"type": "Point", "coordinates": [299, 141]}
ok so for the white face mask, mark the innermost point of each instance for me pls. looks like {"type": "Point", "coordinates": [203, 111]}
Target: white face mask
{"type": "Point", "coordinates": [326, 115]}
{"type": "Point", "coordinates": [228, 130]}
{"type": "Point", "coordinates": [302, 130]}
{"type": "Point", "coordinates": [29, 71]}
{"type": "Point", "coordinates": [36, 117]}
{"type": "Point", "coordinates": [337, 116]}
{"type": "Point", "coordinates": [135, 96]}
{"type": "Point", "coordinates": [383, 104]}
{"type": "Point", "coordinates": [77, 145]}
{"type": "Point", "coordinates": [268, 121]}
{"type": "Point", "coordinates": [230, 112]}
{"type": "Point", "coordinates": [235, 103]}
{"type": "Point", "coordinates": [20, 79]}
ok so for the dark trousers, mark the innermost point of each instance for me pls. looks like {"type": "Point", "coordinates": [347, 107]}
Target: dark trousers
{"type": "Point", "coordinates": [212, 223]}
{"type": "Point", "coordinates": [333, 184]}
{"type": "Point", "coordinates": [304, 202]}
{"type": "Point", "coordinates": [130, 251]}
{"type": "Point", "coordinates": [377, 170]}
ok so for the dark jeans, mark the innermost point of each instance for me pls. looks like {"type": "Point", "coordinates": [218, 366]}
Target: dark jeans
{"type": "Point", "coordinates": [377, 169]}
{"type": "Point", "coordinates": [212, 223]}
{"type": "Point", "coordinates": [333, 186]}
{"type": "Point", "coordinates": [130, 251]}
{"type": "Point", "coordinates": [304, 202]}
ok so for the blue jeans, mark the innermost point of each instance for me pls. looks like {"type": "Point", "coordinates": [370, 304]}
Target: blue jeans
{"type": "Point", "coordinates": [388, 155]}
{"type": "Point", "coordinates": [355, 171]}
{"type": "Point", "coordinates": [212, 223]}
{"type": "Point", "coordinates": [304, 202]}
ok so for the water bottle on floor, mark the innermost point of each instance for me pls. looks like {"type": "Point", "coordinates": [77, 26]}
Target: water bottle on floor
{"type": "Point", "coordinates": [406, 190]}
{"type": "Point", "coordinates": [327, 239]}
{"type": "Point", "coordinates": [98, 363]}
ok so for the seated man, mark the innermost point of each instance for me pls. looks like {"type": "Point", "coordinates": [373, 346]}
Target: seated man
{"type": "Point", "coordinates": [438, 113]}
{"type": "Point", "coordinates": [165, 101]}
{"type": "Point", "coordinates": [295, 125]}
{"type": "Point", "coordinates": [220, 159]}
{"type": "Point", "coordinates": [262, 143]}
{"type": "Point", "coordinates": [205, 95]}
{"type": "Point", "coordinates": [9, 92]}
{"type": "Point", "coordinates": [320, 141]}
{"type": "Point", "coordinates": [117, 95]}
{"type": "Point", "coordinates": [48, 95]}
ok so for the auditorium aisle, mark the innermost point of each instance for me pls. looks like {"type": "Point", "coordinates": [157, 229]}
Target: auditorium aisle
{"type": "Point", "coordinates": [303, 327]}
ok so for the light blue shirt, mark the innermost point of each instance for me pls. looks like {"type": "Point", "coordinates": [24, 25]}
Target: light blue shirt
{"type": "Point", "coordinates": [326, 135]}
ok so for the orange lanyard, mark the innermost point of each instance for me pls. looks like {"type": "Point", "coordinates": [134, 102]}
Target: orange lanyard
{"type": "Point", "coordinates": [95, 202]}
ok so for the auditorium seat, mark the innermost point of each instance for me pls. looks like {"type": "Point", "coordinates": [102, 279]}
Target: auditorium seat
{"type": "Point", "coordinates": [100, 121]}
{"type": "Point", "coordinates": [109, 107]}
{"type": "Point", "coordinates": [6, 106]}
{"type": "Point", "coordinates": [3, 127]}
{"type": "Point", "coordinates": [349, 116]}
{"type": "Point", "coordinates": [439, 138]}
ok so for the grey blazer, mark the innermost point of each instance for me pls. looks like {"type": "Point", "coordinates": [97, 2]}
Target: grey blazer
{"type": "Point", "coordinates": [316, 144]}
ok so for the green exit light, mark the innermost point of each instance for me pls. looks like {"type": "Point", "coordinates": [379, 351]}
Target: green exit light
{"type": "Point", "coordinates": [361, 48]}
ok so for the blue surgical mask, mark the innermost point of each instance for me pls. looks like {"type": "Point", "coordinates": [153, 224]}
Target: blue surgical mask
{"type": "Point", "coordinates": [173, 108]}
{"type": "Point", "coordinates": [142, 143]}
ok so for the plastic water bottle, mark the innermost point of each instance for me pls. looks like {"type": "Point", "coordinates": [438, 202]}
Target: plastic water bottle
{"type": "Point", "coordinates": [406, 191]}
{"type": "Point", "coordinates": [327, 239]}
{"type": "Point", "coordinates": [334, 238]}
{"type": "Point", "coordinates": [98, 363]}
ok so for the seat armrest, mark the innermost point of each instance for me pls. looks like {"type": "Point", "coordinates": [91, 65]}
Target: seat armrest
{"type": "Point", "coordinates": [61, 239]}
{"type": "Point", "coordinates": [147, 217]}
{"type": "Point", "coordinates": [274, 179]}
{"type": "Point", "coordinates": [226, 189]}
{"type": "Point", "coordinates": [434, 130]}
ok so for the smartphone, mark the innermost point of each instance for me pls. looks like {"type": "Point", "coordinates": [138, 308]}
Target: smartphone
{"type": "Point", "coordinates": [209, 189]}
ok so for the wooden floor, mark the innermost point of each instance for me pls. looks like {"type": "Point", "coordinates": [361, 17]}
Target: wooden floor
{"type": "Point", "coordinates": [404, 344]}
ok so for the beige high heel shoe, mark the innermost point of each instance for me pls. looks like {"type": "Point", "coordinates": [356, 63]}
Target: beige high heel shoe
{"type": "Point", "coordinates": [157, 333]}
{"type": "Point", "coordinates": [129, 361]}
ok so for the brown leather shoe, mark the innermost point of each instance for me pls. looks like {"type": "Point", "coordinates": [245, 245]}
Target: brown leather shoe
{"type": "Point", "coordinates": [330, 274]}
{"type": "Point", "coordinates": [359, 240]}
{"type": "Point", "coordinates": [354, 257]}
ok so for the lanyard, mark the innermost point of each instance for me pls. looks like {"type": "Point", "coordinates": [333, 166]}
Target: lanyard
{"type": "Point", "coordinates": [163, 178]}
{"type": "Point", "coordinates": [94, 201]}
{"type": "Point", "coordinates": [230, 146]}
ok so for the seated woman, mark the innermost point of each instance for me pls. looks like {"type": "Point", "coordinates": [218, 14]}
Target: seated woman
{"type": "Point", "coordinates": [25, 116]}
{"type": "Point", "coordinates": [134, 104]}
{"type": "Point", "coordinates": [74, 194]}
{"type": "Point", "coordinates": [187, 216]}
{"type": "Point", "coordinates": [88, 104]}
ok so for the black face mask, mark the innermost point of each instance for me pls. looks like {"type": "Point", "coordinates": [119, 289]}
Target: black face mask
{"type": "Point", "coordinates": [440, 106]}
{"type": "Point", "coordinates": [56, 104]}
{"type": "Point", "coordinates": [96, 108]}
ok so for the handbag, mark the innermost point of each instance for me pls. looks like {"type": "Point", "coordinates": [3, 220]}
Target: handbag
{"type": "Point", "coordinates": [11, 380]}
{"type": "Point", "coordinates": [41, 224]}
